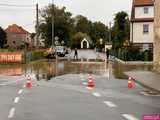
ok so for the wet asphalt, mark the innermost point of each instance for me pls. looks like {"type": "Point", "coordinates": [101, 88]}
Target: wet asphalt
{"type": "Point", "coordinates": [66, 96]}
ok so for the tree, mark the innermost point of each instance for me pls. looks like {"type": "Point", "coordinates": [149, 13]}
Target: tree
{"type": "Point", "coordinates": [3, 38]}
{"type": "Point", "coordinates": [77, 38]}
{"type": "Point", "coordinates": [63, 24]}
{"type": "Point", "coordinates": [98, 31]}
{"type": "Point", "coordinates": [121, 29]}
{"type": "Point", "coordinates": [82, 24]}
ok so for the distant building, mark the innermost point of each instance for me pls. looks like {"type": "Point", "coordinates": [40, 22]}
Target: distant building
{"type": "Point", "coordinates": [85, 44]}
{"type": "Point", "coordinates": [142, 24]}
{"type": "Point", "coordinates": [17, 36]}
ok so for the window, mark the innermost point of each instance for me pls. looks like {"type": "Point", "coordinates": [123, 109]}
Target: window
{"type": "Point", "coordinates": [146, 10]}
{"type": "Point", "coordinates": [146, 28]}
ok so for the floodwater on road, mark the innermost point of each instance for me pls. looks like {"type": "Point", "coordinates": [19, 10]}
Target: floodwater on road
{"type": "Point", "coordinates": [48, 69]}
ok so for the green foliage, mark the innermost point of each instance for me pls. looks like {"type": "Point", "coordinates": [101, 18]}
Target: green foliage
{"type": "Point", "coordinates": [77, 38]}
{"type": "Point", "coordinates": [121, 29]}
{"type": "Point", "coordinates": [133, 53]}
{"type": "Point", "coordinates": [3, 38]}
{"type": "Point", "coordinates": [63, 24]}
{"type": "Point", "coordinates": [33, 55]}
{"type": "Point", "coordinates": [98, 31]}
{"type": "Point", "coordinates": [37, 54]}
{"type": "Point", "coordinates": [82, 24]}
{"type": "Point", "coordinates": [66, 27]}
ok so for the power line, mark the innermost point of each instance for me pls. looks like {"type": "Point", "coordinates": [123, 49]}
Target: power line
{"type": "Point", "coordinates": [16, 5]}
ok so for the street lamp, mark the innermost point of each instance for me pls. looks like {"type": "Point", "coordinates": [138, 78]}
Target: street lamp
{"type": "Point", "coordinates": [110, 31]}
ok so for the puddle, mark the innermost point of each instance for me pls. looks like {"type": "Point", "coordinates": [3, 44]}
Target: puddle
{"type": "Point", "coordinates": [150, 93]}
{"type": "Point", "coordinates": [119, 69]}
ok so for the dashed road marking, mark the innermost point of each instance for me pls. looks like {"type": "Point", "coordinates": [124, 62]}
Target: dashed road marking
{"type": "Point", "coordinates": [129, 117]}
{"type": "Point", "coordinates": [8, 83]}
{"type": "Point", "coordinates": [11, 113]}
{"type": "Point", "coordinates": [84, 83]}
{"type": "Point", "coordinates": [89, 88]}
{"type": "Point", "coordinates": [110, 104]}
{"type": "Point", "coordinates": [3, 84]}
{"type": "Point", "coordinates": [16, 100]}
{"type": "Point", "coordinates": [97, 94]}
{"type": "Point", "coordinates": [83, 79]}
{"type": "Point", "coordinates": [20, 91]}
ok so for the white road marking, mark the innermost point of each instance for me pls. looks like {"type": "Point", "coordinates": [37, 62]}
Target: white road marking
{"type": "Point", "coordinates": [20, 91]}
{"type": "Point", "coordinates": [3, 84]}
{"type": "Point", "coordinates": [129, 117]}
{"type": "Point", "coordinates": [110, 104]}
{"type": "Point", "coordinates": [89, 88]}
{"type": "Point", "coordinates": [7, 83]}
{"type": "Point", "coordinates": [84, 83]}
{"type": "Point", "coordinates": [24, 86]}
{"type": "Point", "coordinates": [11, 113]}
{"type": "Point", "coordinates": [97, 94]}
{"type": "Point", "coordinates": [83, 79]}
{"type": "Point", "coordinates": [16, 100]}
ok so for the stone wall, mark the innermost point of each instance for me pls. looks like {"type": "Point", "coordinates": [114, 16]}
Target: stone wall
{"type": "Point", "coordinates": [157, 36]}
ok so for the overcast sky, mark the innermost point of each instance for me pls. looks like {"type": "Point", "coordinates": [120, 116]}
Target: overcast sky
{"type": "Point", "coordinates": [95, 10]}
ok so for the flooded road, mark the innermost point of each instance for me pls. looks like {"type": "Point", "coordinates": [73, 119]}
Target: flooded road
{"type": "Point", "coordinates": [46, 70]}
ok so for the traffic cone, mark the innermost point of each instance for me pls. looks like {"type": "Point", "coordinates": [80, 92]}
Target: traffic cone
{"type": "Point", "coordinates": [90, 81]}
{"type": "Point", "coordinates": [130, 84]}
{"type": "Point", "coordinates": [28, 83]}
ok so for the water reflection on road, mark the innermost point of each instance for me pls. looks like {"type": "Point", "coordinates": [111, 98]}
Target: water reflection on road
{"type": "Point", "coordinates": [46, 70]}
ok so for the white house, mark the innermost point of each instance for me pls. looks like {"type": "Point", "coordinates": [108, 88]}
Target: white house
{"type": "Point", "coordinates": [142, 24]}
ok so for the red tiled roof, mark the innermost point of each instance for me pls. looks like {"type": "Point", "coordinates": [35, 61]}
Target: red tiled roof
{"type": "Point", "coordinates": [15, 29]}
{"type": "Point", "coordinates": [143, 2]}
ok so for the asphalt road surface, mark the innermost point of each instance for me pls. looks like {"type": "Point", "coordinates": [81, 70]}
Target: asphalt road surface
{"type": "Point", "coordinates": [67, 97]}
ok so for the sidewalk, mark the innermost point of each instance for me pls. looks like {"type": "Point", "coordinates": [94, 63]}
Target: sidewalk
{"type": "Point", "coordinates": [147, 78]}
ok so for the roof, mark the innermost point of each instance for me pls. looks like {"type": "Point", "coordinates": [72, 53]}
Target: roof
{"type": "Point", "coordinates": [143, 2]}
{"type": "Point", "coordinates": [16, 29]}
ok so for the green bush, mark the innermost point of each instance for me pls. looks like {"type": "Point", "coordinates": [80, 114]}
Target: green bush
{"type": "Point", "coordinates": [37, 55]}
{"type": "Point", "coordinates": [33, 55]}
{"type": "Point", "coordinates": [133, 53]}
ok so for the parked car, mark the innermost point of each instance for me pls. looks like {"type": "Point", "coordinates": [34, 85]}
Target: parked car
{"type": "Point", "coordinates": [60, 51]}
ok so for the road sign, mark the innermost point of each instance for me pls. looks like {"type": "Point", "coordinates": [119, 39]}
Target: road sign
{"type": "Point", "coordinates": [126, 43]}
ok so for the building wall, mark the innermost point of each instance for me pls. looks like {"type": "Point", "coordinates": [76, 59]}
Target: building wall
{"type": "Point", "coordinates": [17, 37]}
{"type": "Point", "coordinates": [139, 36]}
{"type": "Point", "coordinates": [157, 36]}
{"type": "Point", "coordinates": [139, 12]}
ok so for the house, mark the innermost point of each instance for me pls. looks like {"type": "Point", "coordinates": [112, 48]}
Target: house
{"type": "Point", "coordinates": [17, 36]}
{"type": "Point", "coordinates": [142, 24]}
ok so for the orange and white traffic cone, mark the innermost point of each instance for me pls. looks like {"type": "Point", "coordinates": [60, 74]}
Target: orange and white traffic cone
{"type": "Point", "coordinates": [90, 82]}
{"type": "Point", "coordinates": [28, 83]}
{"type": "Point", "coordinates": [130, 84]}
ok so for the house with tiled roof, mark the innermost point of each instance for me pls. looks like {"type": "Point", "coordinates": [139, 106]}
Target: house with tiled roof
{"type": "Point", "coordinates": [17, 36]}
{"type": "Point", "coordinates": [142, 24]}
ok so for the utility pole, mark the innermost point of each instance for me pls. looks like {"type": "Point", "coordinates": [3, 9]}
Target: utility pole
{"type": "Point", "coordinates": [110, 32]}
{"type": "Point", "coordinates": [52, 23]}
{"type": "Point", "coordinates": [37, 25]}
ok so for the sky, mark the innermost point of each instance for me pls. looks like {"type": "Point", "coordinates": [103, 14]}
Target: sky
{"type": "Point", "coordinates": [94, 10]}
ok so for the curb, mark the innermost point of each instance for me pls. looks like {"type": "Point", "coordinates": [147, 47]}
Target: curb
{"type": "Point", "coordinates": [133, 62]}
{"type": "Point", "coordinates": [143, 84]}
